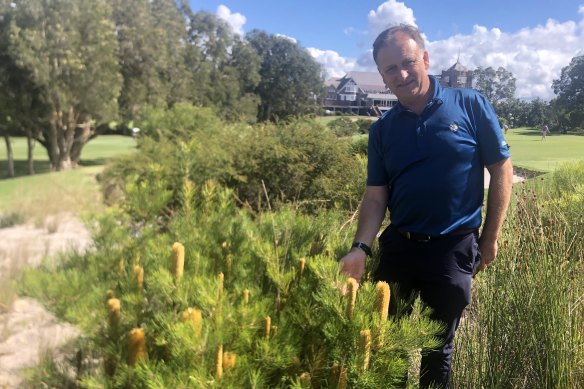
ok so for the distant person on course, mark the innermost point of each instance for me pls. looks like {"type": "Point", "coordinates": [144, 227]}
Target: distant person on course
{"type": "Point", "coordinates": [505, 128]}
{"type": "Point", "coordinates": [544, 131]}
{"type": "Point", "coordinates": [426, 160]}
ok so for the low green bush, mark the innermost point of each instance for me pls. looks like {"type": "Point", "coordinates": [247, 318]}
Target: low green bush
{"type": "Point", "coordinates": [344, 126]}
{"type": "Point", "coordinates": [10, 219]}
{"type": "Point", "coordinates": [266, 165]}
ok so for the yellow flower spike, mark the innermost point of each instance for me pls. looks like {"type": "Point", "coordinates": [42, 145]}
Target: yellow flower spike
{"type": "Point", "coordinates": [114, 307]}
{"type": "Point", "coordinates": [219, 362]}
{"type": "Point", "coordinates": [382, 300]}
{"type": "Point", "coordinates": [267, 327]}
{"type": "Point", "coordinates": [246, 296]}
{"type": "Point", "coordinates": [365, 345]}
{"type": "Point", "coordinates": [137, 346]}
{"type": "Point", "coordinates": [229, 359]}
{"type": "Point", "coordinates": [121, 267]}
{"type": "Point", "coordinates": [302, 264]}
{"type": "Point", "coordinates": [195, 317]}
{"type": "Point", "coordinates": [305, 379]}
{"type": "Point", "coordinates": [339, 375]}
{"type": "Point", "coordinates": [139, 276]}
{"type": "Point", "coordinates": [352, 296]}
{"type": "Point", "coordinates": [178, 260]}
{"type": "Point", "coordinates": [110, 294]}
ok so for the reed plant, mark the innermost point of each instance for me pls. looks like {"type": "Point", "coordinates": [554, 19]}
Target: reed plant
{"type": "Point", "coordinates": [525, 327]}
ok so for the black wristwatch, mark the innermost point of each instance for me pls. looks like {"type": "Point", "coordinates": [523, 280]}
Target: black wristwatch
{"type": "Point", "coordinates": [363, 247]}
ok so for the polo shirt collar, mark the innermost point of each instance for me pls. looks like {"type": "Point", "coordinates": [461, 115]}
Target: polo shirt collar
{"type": "Point", "coordinates": [436, 97]}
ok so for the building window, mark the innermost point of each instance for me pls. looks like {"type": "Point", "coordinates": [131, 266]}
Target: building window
{"type": "Point", "coordinates": [351, 89]}
{"type": "Point", "coordinates": [462, 80]}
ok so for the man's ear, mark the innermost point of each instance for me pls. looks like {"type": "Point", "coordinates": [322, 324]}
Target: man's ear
{"type": "Point", "coordinates": [426, 60]}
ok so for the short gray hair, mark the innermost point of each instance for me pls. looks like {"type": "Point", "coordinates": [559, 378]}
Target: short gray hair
{"type": "Point", "coordinates": [388, 35]}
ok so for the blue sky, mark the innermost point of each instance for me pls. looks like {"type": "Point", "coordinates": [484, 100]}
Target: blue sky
{"type": "Point", "coordinates": [532, 39]}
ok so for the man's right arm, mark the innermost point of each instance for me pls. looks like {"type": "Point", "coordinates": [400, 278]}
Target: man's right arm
{"type": "Point", "coordinates": [371, 215]}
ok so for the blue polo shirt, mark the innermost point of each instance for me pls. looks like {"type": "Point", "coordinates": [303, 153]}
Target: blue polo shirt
{"type": "Point", "coordinates": [434, 163]}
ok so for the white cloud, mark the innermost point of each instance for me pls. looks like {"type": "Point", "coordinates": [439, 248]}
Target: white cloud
{"type": "Point", "coordinates": [388, 14]}
{"type": "Point", "coordinates": [293, 40]}
{"type": "Point", "coordinates": [333, 63]}
{"type": "Point", "coordinates": [535, 55]}
{"type": "Point", "coordinates": [235, 20]}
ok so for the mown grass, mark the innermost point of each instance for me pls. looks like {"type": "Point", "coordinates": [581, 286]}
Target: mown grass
{"type": "Point", "coordinates": [529, 151]}
{"type": "Point", "coordinates": [46, 193]}
{"type": "Point", "coordinates": [96, 152]}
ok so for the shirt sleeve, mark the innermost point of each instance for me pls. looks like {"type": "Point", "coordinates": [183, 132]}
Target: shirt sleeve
{"type": "Point", "coordinates": [376, 173]}
{"type": "Point", "coordinates": [491, 143]}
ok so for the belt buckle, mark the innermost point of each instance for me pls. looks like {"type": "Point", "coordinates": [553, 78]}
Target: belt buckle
{"type": "Point", "coordinates": [426, 239]}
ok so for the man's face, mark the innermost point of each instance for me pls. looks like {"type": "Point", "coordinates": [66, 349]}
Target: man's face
{"type": "Point", "coordinates": [404, 69]}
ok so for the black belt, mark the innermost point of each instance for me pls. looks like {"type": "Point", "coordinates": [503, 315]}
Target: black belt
{"type": "Point", "coordinates": [426, 238]}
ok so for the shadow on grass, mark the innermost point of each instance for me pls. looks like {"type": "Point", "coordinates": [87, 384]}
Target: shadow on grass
{"type": "Point", "coordinates": [40, 167]}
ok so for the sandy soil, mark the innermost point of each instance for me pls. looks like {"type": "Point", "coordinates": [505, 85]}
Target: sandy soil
{"type": "Point", "coordinates": [27, 330]}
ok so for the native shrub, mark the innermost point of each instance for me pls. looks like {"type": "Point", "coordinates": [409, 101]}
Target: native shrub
{"type": "Point", "coordinates": [266, 165]}
{"type": "Point", "coordinates": [221, 299]}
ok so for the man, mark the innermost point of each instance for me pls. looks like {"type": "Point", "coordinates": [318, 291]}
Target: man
{"type": "Point", "coordinates": [426, 164]}
{"type": "Point", "coordinates": [544, 131]}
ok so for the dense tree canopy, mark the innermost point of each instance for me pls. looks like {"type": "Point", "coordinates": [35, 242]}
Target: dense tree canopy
{"type": "Point", "coordinates": [291, 80]}
{"type": "Point", "coordinates": [68, 74]}
{"type": "Point", "coordinates": [497, 85]}
{"type": "Point", "coordinates": [570, 91]}
{"type": "Point", "coordinates": [68, 55]}
{"type": "Point", "coordinates": [225, 69]}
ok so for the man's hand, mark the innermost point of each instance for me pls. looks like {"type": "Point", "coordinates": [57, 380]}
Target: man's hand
{"type": "Point", "coordinates": [354, 263]}
{"type": "Point", "coordinates": [489, 248]}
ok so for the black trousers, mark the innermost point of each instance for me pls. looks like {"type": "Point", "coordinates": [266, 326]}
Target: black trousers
{"type": "Point", "coordinates": [440, 272]}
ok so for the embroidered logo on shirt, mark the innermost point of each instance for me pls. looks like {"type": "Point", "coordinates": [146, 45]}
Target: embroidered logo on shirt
{"type": "Point", "coordinates": [453, 127]}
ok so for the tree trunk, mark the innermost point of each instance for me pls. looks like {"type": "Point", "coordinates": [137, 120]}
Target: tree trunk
{"type": "Point", "coordinates": [31, 143]}
{"type": "Point", "coordinates": [83, 134]}
{"type": "Point", "coordinates": [9, 155]}
{"type": "Point", "coordinates": [64, 138]}
{"type": "Point", "coordinates": [53, 142]}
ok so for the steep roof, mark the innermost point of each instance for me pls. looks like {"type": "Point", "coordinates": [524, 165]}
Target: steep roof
{"type": "Point", "coordinates": [458, 67]}
{"type": "Point", "coordinates": [369, 81]}
{"type": "Point", "coordinates": [332, 82]}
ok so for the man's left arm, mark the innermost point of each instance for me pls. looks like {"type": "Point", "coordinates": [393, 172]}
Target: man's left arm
{"type": "Point", "coordinates": [498, 199]}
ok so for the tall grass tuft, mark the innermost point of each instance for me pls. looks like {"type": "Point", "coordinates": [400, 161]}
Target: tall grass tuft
{"type": "Point", "coordinates": [525, 328]}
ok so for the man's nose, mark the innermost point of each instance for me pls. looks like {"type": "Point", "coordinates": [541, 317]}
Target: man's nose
{"type": "Point", "coordinates": [403, 73]}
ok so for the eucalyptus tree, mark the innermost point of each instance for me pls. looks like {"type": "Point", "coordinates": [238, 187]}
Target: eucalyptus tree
{"type": "Point", "coordinates": [151, 38]}
{"type": "Point", "coordinates": [497, 85]}
{"type": "Point", "coordinates": [224, 68]}
{"type": "Point", "coordinates": [569, 89]}
{"type": "Point", "coordinates": [291, 80]}
{"type": "Point", "coordinates": [68, 47]}
{"type": "Point", "coordinates": [22, 107]}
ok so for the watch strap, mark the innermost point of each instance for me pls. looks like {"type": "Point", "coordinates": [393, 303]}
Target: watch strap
{"type": "Point", "coordinates": [363, 247]}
